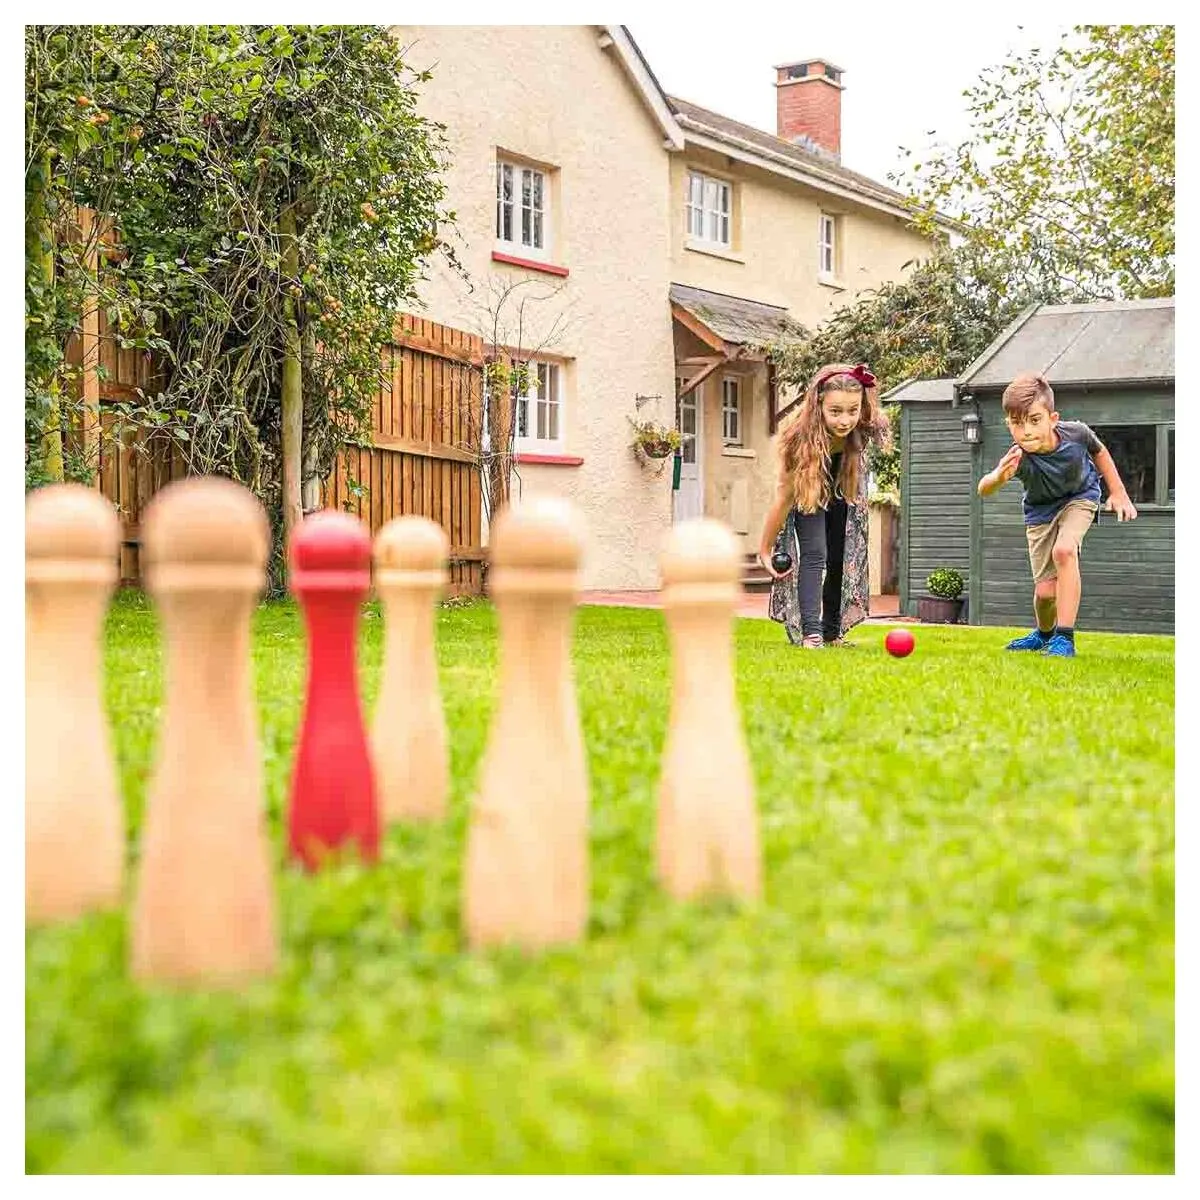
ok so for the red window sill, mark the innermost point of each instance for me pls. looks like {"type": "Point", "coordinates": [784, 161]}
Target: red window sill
{"type": "Point", "coordinates": [531, 264]}
{"type": "Point", "coordinates": [555, 460]}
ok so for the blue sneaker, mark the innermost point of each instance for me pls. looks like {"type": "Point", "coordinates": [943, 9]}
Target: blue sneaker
{"type": "Point", "coordinates": [1036, 640]}
{"type": "Point", "coordinates": [1060, 646]}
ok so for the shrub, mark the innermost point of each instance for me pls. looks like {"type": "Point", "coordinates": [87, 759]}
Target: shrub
{"type": "Point", "coordinates": [945, 583]}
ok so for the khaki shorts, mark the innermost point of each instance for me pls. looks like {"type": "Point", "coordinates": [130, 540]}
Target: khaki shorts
{"type": "Point", "coordinates": [1073, 520]}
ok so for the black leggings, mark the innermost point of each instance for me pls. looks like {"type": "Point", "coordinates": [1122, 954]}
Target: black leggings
{"type": "Point", "coordinates": [822, 538]}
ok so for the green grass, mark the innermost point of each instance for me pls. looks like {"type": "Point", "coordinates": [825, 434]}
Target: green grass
{"type": "Point", "coordinates": [964, 961]}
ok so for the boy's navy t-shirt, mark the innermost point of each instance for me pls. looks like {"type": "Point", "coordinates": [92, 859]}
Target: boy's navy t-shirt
{"type": "Point", "coordinates": [1060, 475]}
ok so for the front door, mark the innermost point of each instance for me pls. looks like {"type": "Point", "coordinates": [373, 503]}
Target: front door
{"type": "Point", "coordinates": [689, 498]}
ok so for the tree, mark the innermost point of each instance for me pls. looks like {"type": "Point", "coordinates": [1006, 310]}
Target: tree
{"type": "Point", "coordinates": [75, 145]}
{"type": "Point", "coordinates": [274, 213]}
{"type": "Point", "coordinates": [1069, 171]}
{"type": "Point", "coordinates": [515, 326]}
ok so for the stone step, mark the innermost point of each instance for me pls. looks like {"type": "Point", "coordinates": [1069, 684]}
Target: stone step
{"type": "Point", "coordinates": [754, 577]}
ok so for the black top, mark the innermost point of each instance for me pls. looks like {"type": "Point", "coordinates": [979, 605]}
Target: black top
{"type": "Point", "coordinates": [835, 471]}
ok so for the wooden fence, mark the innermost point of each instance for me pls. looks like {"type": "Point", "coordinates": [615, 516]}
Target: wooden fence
{"type": "Point", "coordinates": [421, 458]}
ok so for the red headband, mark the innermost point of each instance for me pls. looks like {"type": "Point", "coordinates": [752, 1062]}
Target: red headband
{"type": "Point", "coordinates": [860, 373]}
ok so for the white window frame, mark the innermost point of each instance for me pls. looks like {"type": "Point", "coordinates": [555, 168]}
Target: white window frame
{"type": "Point", "coordinates": [522, 218]}
{"type": "Point", "coordinates": [708, 210]}
{"type": "Point", "coordinates": [731, 412]}
{"type": "Point", "coordinates": [534, 407]}
{"type": "Point", "coordinates": [827, 247]}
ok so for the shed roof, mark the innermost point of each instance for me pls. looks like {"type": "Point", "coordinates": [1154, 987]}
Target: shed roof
{"type": "Point", "coordinates": [736, 319]}
{"type": "Point", "coordinates": [921, 391]}
{"type": "Point", "coordinates": [1107, 342]}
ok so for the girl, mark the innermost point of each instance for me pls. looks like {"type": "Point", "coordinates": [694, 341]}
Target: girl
{"type": "Point", "coordinates": [821, 505]}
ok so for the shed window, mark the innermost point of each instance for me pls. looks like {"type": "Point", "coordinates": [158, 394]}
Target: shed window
{"type": "Point", "coordinates": [1145, 459]}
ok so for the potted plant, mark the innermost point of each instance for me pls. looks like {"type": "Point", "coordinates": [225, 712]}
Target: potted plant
{"type": "Point", "coordinates": [943, 605]}
{"type": "Point", "coordinates": [654, 440]}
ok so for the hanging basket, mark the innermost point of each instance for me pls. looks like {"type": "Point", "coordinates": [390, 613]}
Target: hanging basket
{"type": "Point", "coordinates": [653, 442]}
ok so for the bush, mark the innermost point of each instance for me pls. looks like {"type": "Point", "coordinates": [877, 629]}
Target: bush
{"type": "Point", "coordinates": [945, 583]}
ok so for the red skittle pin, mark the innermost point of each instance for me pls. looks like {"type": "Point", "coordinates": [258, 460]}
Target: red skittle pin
{"type": "Point", "coordinates": [333, 799]}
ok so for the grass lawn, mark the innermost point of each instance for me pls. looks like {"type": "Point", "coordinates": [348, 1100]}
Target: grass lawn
{"type": "Point", "coordinates": [964, 961]}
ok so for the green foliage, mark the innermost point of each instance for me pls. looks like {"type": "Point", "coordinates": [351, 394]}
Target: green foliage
{"type": "Point", "coordinates": [964, 961]}
{"type": "Point", "coordinates": [1069, 170]}
{"type": "Point", "coordinates": [944, 582]}
{"type": "Point", "coordinates": [885, 464]}
{"type": "Point", "coordinates": [653, 438]}
{"type": "Point", "coordinates": [73, 146]}
{"type": "Point", "coordinates": [213, 134]}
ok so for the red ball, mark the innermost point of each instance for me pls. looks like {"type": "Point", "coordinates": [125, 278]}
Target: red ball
{"type": "Point", "coordinates": [899, 643]}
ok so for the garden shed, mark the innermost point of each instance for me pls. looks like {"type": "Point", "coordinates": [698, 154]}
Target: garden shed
{"type": "Point", "coordinates": [1112, 366]}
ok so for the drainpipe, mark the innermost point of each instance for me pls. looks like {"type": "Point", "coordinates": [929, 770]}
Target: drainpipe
{"type": "Point", "coordinates": [772, 399]}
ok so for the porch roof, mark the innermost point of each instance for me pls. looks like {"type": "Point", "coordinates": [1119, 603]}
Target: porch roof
{"type": "Point", "coordinates": [734, 320]}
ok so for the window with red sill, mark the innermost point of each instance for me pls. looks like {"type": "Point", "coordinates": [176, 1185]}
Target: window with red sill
{"type": "Point", "coordinates": [540, 434]}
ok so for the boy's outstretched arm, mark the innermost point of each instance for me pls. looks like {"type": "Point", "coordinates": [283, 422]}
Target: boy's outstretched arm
{"type": "Point", "coordinates": [1004, 470]}
{"type": "Point", "coordinates": [1118, 497]}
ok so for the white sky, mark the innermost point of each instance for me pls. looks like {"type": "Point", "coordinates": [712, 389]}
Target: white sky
{"type": "Point", "coordinates": [902, 77]}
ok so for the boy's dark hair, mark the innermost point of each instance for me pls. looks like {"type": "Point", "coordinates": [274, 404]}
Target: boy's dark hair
{"type": "Point", "coordinates": [1025, 391]}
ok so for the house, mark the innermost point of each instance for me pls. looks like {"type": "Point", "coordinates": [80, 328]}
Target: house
{"type": "Point", "coordinates": [1112, 366]}
{"type": "Point", "coordinates": [639, 250]}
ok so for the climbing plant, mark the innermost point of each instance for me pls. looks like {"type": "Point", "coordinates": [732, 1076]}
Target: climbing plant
{"type": "Point", "coordinates": [276, 194]}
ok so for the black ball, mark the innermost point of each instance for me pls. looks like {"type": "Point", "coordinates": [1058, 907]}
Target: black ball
{"type": "Point", "coordinates": [781, 561]}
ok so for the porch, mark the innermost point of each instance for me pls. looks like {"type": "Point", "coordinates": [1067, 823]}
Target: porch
{"type": "Point", "coordinates": [725, 406]}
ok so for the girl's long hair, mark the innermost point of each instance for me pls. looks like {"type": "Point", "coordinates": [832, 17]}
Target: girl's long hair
{"type": "Point", "coordinates": [803, 443]}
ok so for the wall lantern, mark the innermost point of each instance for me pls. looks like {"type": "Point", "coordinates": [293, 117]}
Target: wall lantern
{"type": "Point", "coordinates": [972, 430]}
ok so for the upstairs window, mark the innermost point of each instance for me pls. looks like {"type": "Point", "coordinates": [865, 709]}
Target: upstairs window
{"type": "Point", "coordinates": [827, 248]}
{"type": "Point", "coordinates": [522, 207]}
{"type": "Point", "coordinates": [709, 209]}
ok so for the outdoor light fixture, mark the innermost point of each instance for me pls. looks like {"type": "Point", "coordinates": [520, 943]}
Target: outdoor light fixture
{"type": "Point", "coordinates": [972, 430]}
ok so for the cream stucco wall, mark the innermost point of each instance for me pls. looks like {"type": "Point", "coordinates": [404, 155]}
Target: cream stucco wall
{"type": "Point", "coordinates": [738, 479]}
{"type": "Point", "coordinates": [552, 95]}
{"type": "Point", "coordinates": [775, 241]}
{"type": "Point", "coordinates": [773, 259]}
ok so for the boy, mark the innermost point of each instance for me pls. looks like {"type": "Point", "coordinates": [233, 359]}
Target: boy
{"type": "Point", "coordinates": [1060, 463]}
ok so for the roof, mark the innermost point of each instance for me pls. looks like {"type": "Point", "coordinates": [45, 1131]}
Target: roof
{"type": "Point", "coordinates": [634, 63]}
{"type": "Point", "coordinates": [817, 170]}
{"type": "Point", "coordinates": [736, 319]}
{"type": "Point", "coordinates": [921, 391]}
{"type": "Point", "coordinates": [677, 118]}
{"type": "Point", "coordinates": [1103, 343]}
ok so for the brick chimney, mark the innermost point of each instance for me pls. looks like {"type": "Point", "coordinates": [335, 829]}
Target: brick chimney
{"type": "Point", "coordinates": [808, 105]}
